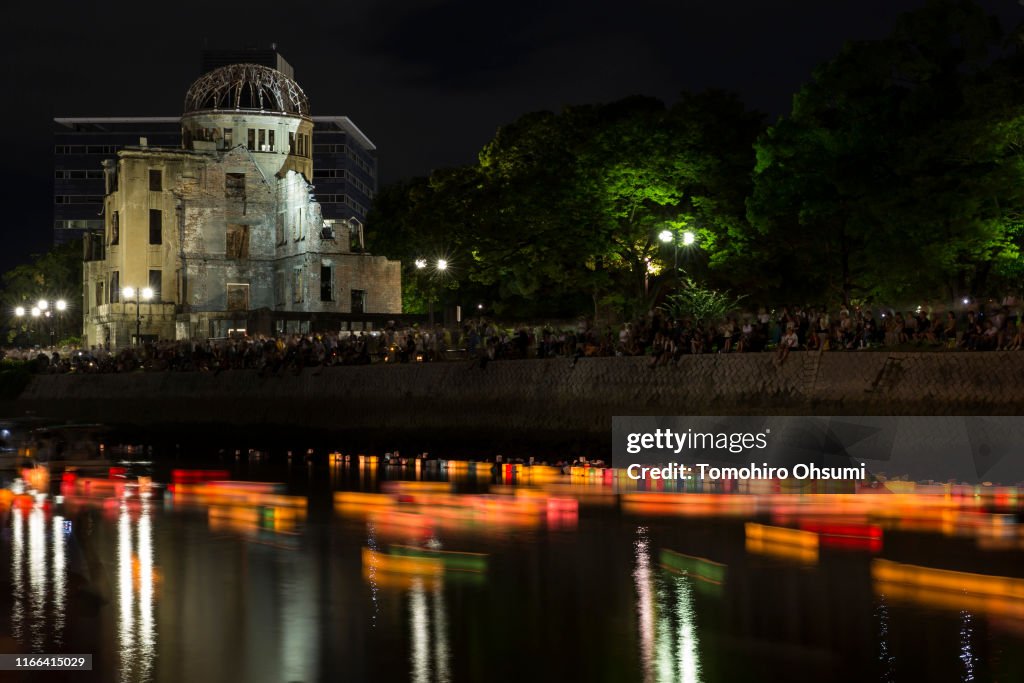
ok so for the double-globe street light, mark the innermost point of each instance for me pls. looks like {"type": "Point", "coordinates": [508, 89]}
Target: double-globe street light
{"type": "Point", "coordinates": [667, 236]}
{"type": "Point", "coordinates": [43, 309]}
{"type": "Point", "coordinates": [439, 267]}
{"type": "Point", "coordinates": [143, 294]}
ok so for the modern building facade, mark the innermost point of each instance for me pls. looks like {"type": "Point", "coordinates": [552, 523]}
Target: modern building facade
{"type": "Point", "coordinates": [225, 230]}
{"type": "Point", "coordinates": [344, 158]}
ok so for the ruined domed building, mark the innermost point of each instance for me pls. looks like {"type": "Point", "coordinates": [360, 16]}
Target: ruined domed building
{"type": "Point", "coordinates": [225, 233]}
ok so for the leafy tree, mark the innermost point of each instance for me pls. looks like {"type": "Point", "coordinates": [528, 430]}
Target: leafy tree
{"type": "Point", "coordinates": [855, 195]}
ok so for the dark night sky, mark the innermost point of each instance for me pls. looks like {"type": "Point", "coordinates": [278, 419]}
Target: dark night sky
{"type": "Point", "coordinates": [428, 81]}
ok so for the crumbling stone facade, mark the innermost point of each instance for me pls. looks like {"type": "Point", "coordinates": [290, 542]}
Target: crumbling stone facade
{"type": "Point", "coordinates": [226, 232]}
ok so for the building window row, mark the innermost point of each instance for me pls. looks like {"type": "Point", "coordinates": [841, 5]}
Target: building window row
{"type": "Point", "coordinates": [261, 140]}
{"type": "Point", "coordinates": [78, 199]}
{"type": "Point", "coordinates": [342, 174]}
{"type": "Point", "coordinates": [330, 149]}
{"type": "Point", "coordinates": [343, 149]}
{"type": "Point", "coordinates": [78, 225]}
{"type": "Point", "coordinates": [76, 174]}
{"type": "Point", "coordinates": [85, 149]}
{"type": "Point", "coordinates": [360, 163]}
{"type": "Point", "coordinates": [341, 199]}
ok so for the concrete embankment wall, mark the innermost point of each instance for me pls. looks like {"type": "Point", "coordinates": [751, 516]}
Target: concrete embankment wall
{"type": "Point", "coordinates": [537, 400]}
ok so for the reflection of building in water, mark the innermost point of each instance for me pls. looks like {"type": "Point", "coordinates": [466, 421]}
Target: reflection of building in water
{"type": "Point", "coordinates": [428, 628]}
{"type": "Point", "coordinates": [38, 579]}
{"type": "Point", "coordinates": [226, 231]}
{"type": "Point", "coordinates": [667, 619]}
{"type": "Point", "coordinates": [135, 595]}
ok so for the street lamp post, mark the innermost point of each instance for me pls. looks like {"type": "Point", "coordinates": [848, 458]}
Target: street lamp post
{"type": "Point", "coordinates": [440, 267]}
{"type": "Point", "coordinates": [667, 236]}
{"type": "Point", "coordinates": [146, 294]}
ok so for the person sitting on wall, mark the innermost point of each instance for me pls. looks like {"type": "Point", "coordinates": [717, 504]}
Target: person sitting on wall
{"type": "Point", "coordinates": [787, 343]}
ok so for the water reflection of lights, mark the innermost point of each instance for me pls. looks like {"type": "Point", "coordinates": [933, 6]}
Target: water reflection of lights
{"type": "Point", "coordinates": [371, 576]}
{"type": "Point", "coordinates": [668, 636]}
{"type": "Point", "coordinates": [136, 596]}
{"type": "Point", "coordinates": [298, 643]}
{"type": "Point", "coordinates": [419, 631]}
{"type": "Point", "coordinates": [147, 630]}
{"type": "Point", "coordinates": [967, 657]}
{"type": "Point", "coordinates": [17, 574]}
{"type": "Point", "coordinates": [885, 656]}
{"type": "Point", "coordinates": [689, 665]}
{"type": "Point", "coordinates": [950, 590]}
{"type": "Point", "coordinates": [645, 601]}
{"type": "Point", "coordinates": [59, 578]}
{"type": "Point", "coordinates": [38, 578]}
{"type": "Point", "coordinates": [428, 663]}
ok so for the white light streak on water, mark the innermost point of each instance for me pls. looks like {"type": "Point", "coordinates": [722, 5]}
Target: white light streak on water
{"type": "Point", "coordinates": [60, 583]}
{"type": "Point", "coordinates": [645, 602]}
{"type": "Point", "coordinates": [420, 632]}
{"type": "Point", "coordinates": [37, 579]}
{"type": "Point", "coordinates": [17, 575]}
{"type": "Point", "coordinates": [125, 596]}
{"type": "Point", "coordinates": [442, 651]}
{"type": "Point", "coordinates": [146, 652]}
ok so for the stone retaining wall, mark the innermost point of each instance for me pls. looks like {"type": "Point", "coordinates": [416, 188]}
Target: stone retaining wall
{"type": "Point", "coordinates": [535, 399]}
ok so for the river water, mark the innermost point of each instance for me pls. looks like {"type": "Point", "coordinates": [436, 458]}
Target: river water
{"type": "Point", "coordinates": [567, 583]}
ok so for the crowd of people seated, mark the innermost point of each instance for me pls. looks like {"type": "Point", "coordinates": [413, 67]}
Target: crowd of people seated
{"type": "Point", "coordinates": [663, 338]}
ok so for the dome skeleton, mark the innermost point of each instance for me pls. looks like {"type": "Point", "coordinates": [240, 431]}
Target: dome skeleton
{"type": "Point", "coordinates": [247, 87]}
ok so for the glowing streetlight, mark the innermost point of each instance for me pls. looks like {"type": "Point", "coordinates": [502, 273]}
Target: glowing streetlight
{"type": "Point", "coordinates": [442, 264]}
{"type": "Point", "coordinates": [19, 311]}
{"type": "Point", "coordinates": [665, 236]}
{"type": "Point", "coordinates": [689, 238]}
{"type": "Point", "coordinates": [36, 312]}
{"type": "Point", "coordinates": [62, 305]}
{"type": "Point", "coordinates": [42, 305]}
{"type": "Point", "coordinates": [421, 263]}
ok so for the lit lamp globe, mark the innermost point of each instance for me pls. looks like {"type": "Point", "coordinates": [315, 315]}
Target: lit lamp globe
{"type": "Point", "coordinates": [128, 292]}
{"type": "Point", "coordinates": [147, 293]}
{"type": "Point", "coordinates": [665, 236]}
{"type": "Point", "coordinates": [689, 238]}
{"type": "Point", "coordinates": [42, 305]}
{"type": "Point", "coordinates": [19, 311]}
{"type": "Point", "coordinates": [62, 305]}
{"type": "Point", "coordinates": [35, 312]}
{"type": "Point", "coordinates": [442, 264]}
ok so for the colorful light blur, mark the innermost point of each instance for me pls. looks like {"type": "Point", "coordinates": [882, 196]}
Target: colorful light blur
{"type": "Point", "coordinates": [780, 542]}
